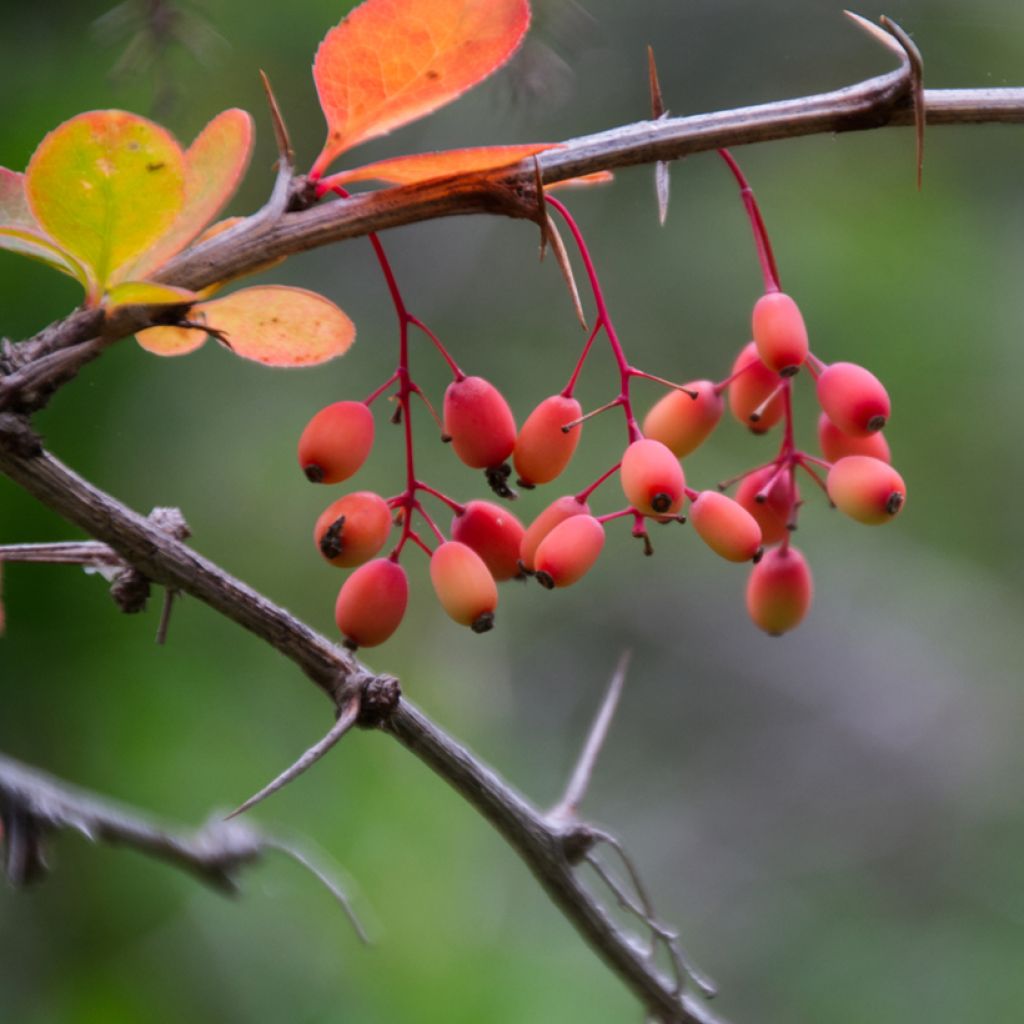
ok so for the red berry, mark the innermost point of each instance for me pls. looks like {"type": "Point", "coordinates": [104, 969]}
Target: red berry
{"type": "Point", "coordinates": [749, 392]}
{"type": "Point", "coordinates": [779, 591]}
{"type": "Point", "coordinates": [353, 529]}
{"type": "Point", "coordinates": [866, 489]}
{"type": "Point", "coordinates": [543, 449]}
{"type": "Point", "coordinates": [725, 526]}
{"type": "Point", "coordinates": [774, 512]}
{"type": "Point", "coordinates": [371, 603]}
{"type": "Point", "coordinates": [835, 444]}
{"type": "Point", "coordinates": [780, 333]}
{"type": "Point", "coordinates": [479, 423]}
{"type": "Point", "coordinates": [569, 551]}
{"type": "Point", "coordinates": [464, 586]}
{"type": "Point", "coordinates": [336, 442]}
{"type": "Point", "coordinates": [494, 534]}
{"type": "Point", "coordinates": [854, 399]}
{"type": "Point", "coordinates": [652, 478]}
{"type": "Point", "coordinates": [682, 423]}
{"type": "Point", "coordinates": [558, 511]}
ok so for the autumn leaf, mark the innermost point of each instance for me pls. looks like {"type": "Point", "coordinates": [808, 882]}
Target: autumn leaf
{"type": "Point", "coordinates": [390, 62]}
{"type": "Point", "coordinates": [105, 186]}
{"type": "Point", "coordinates": [408, 170]}
{"type": "Point", "coordinates": [270, 324]}
{"type": "Point", "coordinates": [148, 293]}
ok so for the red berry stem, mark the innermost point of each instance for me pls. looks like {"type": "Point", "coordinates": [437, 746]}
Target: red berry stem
{"type": "Point", "coordinates": [406, 501]}
{"type": "Point", "coordinates": [586, 492]}
{"type": "Point", "coordinates": [377, 392]}
{"type": "Point", "coordinates": [571, 386]}
{"type": "Point", "coordinates": [761, 240]}
{"type": "Point", "coordinates": [603, 321]}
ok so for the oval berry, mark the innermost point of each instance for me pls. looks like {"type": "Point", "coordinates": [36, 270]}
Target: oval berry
{"type": "Point", "coordinates": [773, 509]}
{"type": "Point", "coordinates": [569, 551]}
{"type": "Point", "coordinates": [779, 590]}
{"type": "Point", "coordinates": [352, 529]}
{"type": "Point", "coordinates": [557, 512]}
{"type": "Point", "coordinates": [464, 586]}
{"type": "Point", "coordinates": [543, 449]}
{"type": "Point", "coordinates": [780, 333]}
{"type": "Point", "coordinates": [336, 442]}
{"type": "Point", "coordinates": [494, 534]}
{"type": "Point", "coordinates": [725, 526]}
{"type": "Point", "coordinates": [752, 397]}
{"type": "Point", "coordinates": [835, 445]}
{"type": "Point", "coordinates": [371, 603]}
{"type": "Point", "coordinates": [479, 422]}
{"type": "Point", "coordinates": [854, 399]}
{"type": "Point", "coordinates": [682, 423]}
{"type": "Point", "coordinates": [866, 489]}
{"type": "Point", "coordinates": [652, 478]}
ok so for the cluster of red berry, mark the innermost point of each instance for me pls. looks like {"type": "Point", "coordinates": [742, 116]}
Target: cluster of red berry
{"type": "Point", "coordinates": [488, 544]}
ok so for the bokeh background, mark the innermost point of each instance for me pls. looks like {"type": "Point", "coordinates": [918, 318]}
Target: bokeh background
{"type": "Point", "coordinates": [834, 820]}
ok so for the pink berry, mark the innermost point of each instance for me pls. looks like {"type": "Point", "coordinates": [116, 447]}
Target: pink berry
{"type": "Point", "coordinates": [569, 551]}
{"type": "Point", "coordinates": [335, 442]}
{"type": "Point", "coordinates": [835, 444]}
{"type": "Point", "coordinates": [494, 534]}
{"type": "Point", "coordinates": [750, 392]}
{"type": "Point", "coordinates": [725, 526]}
{"type": "Point", "coordinates": [352, 529]}
{"type": "Point", "coordinates": [854, 399]}
{"type": "Point", "coordinates": [557, 512]}
{"type": "Point", "coordinates": [479, 422]}
{"type": "Point", "coordinates": [682, 423]}
{"type": "Point", "coordinates": [774, 512]}
{"type": "Point", "coordinates": [652, 478]}
{"type": "Point", "coordinates": [780, 333]}
{"type": "Point", "coordinates": [866, 489]}
{"type": "Point", "coordinates": [464, 586]}
{"type": "Point", "coordinates": [779, 590]}
{"type": "Point", "coordinates": [543, 449]}
{"type": "Point", "coordinates": [371, 603]}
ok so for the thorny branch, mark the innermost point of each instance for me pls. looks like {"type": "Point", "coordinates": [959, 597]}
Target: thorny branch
{"type": "Point", "coordinates": [555, 844]}
{"type": "Point", "coordinates": [551, 848]}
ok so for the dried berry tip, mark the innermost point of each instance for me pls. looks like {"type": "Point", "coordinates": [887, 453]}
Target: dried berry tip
{"type": "Point", "coordinates": [545, 580]}
{"type": "Point", "coordinates": [483, 623]}
{"type": "Point", "coordinates": [314, 474]}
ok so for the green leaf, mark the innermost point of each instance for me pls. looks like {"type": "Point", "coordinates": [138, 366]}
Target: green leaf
{"type": "Point", "coordinates": [148, 293]}
{"type": "Point", "coordinates": [105, 186]}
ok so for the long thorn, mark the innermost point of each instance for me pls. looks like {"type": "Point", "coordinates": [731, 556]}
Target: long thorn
{"type": "Point", "coordinates": [661, 172]}
{"type": "Point", "coordinates": [345, 721]}
{"type": "Point", "coordinates": [542, 210]}
{"type": "Point", "coordinates": [558, 247]}
{"type": "Point", "coordinates": [284, 143]}
{"type": "Point", "coordinates": [916, 64]}
{"type": "Point", "coordinates": [567, 807]}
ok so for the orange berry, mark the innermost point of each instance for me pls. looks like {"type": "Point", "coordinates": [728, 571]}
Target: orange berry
{"type": "Point", "coordinates": [775, 512]}
{"type": "Point", "coordinates": [569, 551]}
{"type": "Point", "coordinates": [494, 534]}
{"type": "Point", "coordinates": [854, 399]}
{"type": "Point", "coordinates": [336, 442]}
{"type": "Point", "coordinates": [725, 526]}
{"type": "Point", "coordinates": [464, 586]}
{"type": "Point", "coordinates": [479, 422]}
{"type": "Point", "coordinates": [352, 529]}
{"type": "Point", "coordinates": [866, 489]}
{"type": "Point", "coordinates": [779, 590]}
{"type": "Point", "coordinates": [543, 449]}
{"type": "Point", "coordinates": [558, 511]}
{"type": "Point", "coordinates": [682, 423]}
{"type": "Point", "coordinates": [780, 333]}
{"type": "Point", "coordinates": [835, 444]}
{"type": "Point", "coordinates": [652, 478]}
{"type": "Point", "coordinates": [371, 603]}
{"type": "Point", "coordinates": [751, 389]}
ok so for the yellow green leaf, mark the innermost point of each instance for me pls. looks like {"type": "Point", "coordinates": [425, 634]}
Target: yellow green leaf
{"type": "Point", "coordinates": [214, 166]}
{"type": "Point", "coordinates": [37, 247]}
{"type": "Point", "coordinates": [105, 186]}
{"type": "Point", "coordinates": [148, 293]}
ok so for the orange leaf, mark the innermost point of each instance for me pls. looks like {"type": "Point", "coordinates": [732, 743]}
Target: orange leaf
{"type": "Point", "coordinates": [390, 62]}
{"type": "Point", "coordinates": [582, 181]}
{"type": "Point", "coordinates": [407, 170]}
{"type": "Point", "coordinates": [214, 166]}
{"type": "Point", "coordinates": [279, 326]}
{"type": "Point", "coordinates": [171, 341]}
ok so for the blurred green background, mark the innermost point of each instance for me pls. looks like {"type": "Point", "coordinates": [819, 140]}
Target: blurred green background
{"type": "Point", "coordinates": [833, 820]}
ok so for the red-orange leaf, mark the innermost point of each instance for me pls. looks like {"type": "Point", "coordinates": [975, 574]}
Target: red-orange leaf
{"type": "Point", "coordinates": [271, 324]}
{"type": "Point", "coordinates": [407, 170]}
{"type": "Point", "coordinates": [214, 166]}
{"type": "Point", "coordinates": [14, 209]}
{"type": "Point", "coordinates": [392, 61]}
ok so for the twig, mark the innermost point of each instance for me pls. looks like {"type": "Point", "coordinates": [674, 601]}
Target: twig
{"type": "Point", "coordinates": [34, 804]}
